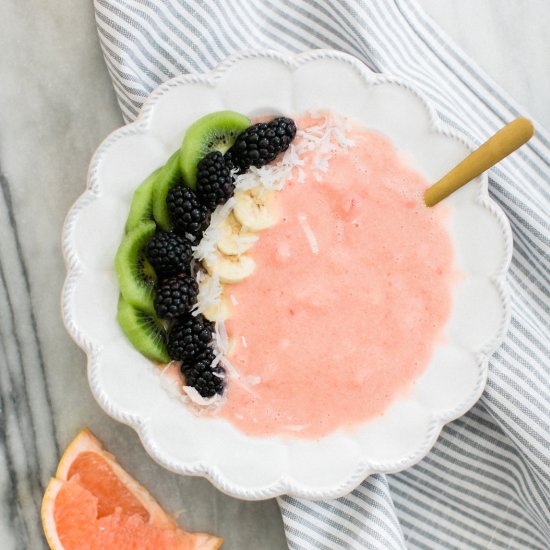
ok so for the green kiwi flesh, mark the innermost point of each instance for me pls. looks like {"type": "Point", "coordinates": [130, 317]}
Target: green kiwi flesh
{"type": "Point", "coordinates": [144, 331]}
{"type": "Point", "coordinates": [213, 132]}
{"type": "Point", "coordinates": [141, 208]}
{"type": "Point", "coordinates": [169, 176]}
{"type": "Point", "coordinates": [134, 277]}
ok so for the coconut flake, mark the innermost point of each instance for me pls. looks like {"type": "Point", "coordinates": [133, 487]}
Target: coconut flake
{"type": "Point", "coordinates": [245, 343]}
{"type": "Point", "coordinates": [207, 248]}
{"type": "Point", "coordinates": [310, 236]}
{"type": "Point", "coordinates": [297, 427]}
{"type": "Point", "coordinates": [198, 399]}
{"type": "Point", "coordinates": [247, 180]}
{"type": "Point", "coordinates": [230, 368]}
{"type": "Point", "coordinates": [210, 293]}
{"type": "Point", "coordinates": [221, 338]}
{"type": "Point", "coordinates": [341, 139]}
{"type": "Point", "coordinates": [169, 385]}
{"type": "Point", "coordinates": [320, 164]}
{"type": "Point", "coordinates": [234, 300]}
{"type": "Point", "coordinates": [217, 360]}
{"type": "Point", "coordinates": [271, 176]}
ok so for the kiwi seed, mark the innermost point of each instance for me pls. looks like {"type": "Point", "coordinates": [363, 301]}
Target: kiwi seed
{"type": "Point", "coordinates": [134, 279]}
{"type": "Point", "coordinates": [144, 331]}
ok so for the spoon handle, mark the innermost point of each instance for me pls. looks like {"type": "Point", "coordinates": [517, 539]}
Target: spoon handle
{"type": "Point", "coordinates": [504, 142]}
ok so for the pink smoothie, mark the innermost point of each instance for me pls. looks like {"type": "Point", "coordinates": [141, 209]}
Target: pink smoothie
{"type": "Point", "coordinates": [351, 292]}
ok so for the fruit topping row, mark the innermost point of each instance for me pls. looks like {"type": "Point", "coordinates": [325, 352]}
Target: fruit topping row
{"type": "Point", "coordinates": [172, 214]}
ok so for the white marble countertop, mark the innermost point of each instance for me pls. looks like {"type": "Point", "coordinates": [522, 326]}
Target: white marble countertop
{"type": "Point", "coordinates": [56, 105]}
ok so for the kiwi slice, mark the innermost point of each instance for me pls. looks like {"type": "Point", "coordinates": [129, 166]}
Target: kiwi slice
{"type": "Point", "coordinates": [141, 209]}
{"type": "Point", "coordinates": [214, 132]}
{"type": "Point", "coordinates": [169, 176]}
{"type": "Point", "coordinates": [144, 331]}
{"type": "Point", "coordinates": [135, 277]}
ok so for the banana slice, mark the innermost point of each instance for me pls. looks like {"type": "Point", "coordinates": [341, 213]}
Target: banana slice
{"type": "Point", "coordinates": [252, 208]}
{"type": "Point", "coordinates": [211, 292]}
{"type": "Point", "coordinates": [230, 269]}
{"type": "Point", "coordinates": [235, 239]}
{"type": "Point", "coordinates": [219, 312]}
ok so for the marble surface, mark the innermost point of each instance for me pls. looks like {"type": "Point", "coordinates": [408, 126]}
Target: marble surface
{"type": "Point", "coordinates": [507, 38]}
{"type": "Point", "coordinates": [56, 105]}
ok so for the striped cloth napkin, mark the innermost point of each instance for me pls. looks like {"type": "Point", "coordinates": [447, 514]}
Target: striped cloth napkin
{"type": "Point", "coordinates": [486, 483]}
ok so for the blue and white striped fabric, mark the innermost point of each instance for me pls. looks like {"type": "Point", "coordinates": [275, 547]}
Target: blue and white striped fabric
{"type": "Point", "coordinates": [486, 484]}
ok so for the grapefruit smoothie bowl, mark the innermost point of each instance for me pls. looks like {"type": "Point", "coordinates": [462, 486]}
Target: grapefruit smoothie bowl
{"type": "Point", "coordinates": [300, 283]}
{"type": "Point", "coordinates": [284, 314]}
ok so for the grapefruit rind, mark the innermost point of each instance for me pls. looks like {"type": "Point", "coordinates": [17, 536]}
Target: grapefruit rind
{"type": "Point", "coordinates": [204, 541]}
{"type": "Point", "coordinates": [47, 514]}
{"type": "Point", "coordinates": [85, 442]}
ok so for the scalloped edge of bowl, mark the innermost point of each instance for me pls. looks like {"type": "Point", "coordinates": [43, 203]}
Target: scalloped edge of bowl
{"type": "Point", "coordinates": [285, 485]}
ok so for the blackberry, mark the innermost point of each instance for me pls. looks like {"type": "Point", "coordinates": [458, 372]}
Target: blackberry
{"type": "Point", "coordinates": [175, 296]}
{"type": "Point", "coordinates": [168, 253]}
{"type": "Point", "coordinates": [189, 337]}
{"type": "Point", "coordinates": [188, 215]}
{"type": "Point", "coordinates": [261, 143]}
{"type": "Point", "coordinates": [200, 374]}
{"type": "Point", "coordinates": [214, 181]}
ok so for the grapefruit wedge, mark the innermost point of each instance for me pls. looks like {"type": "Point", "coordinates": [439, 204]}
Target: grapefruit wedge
{"type": "Point", "coordinates": [93, 504]}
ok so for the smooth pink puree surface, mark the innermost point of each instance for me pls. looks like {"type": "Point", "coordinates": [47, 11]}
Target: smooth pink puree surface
{"type": "Point", "coordinates": [336, 336]}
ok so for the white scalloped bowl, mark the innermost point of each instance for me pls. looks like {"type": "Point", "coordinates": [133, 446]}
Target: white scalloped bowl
{"type": "Point", "coordinates": [129, 387]}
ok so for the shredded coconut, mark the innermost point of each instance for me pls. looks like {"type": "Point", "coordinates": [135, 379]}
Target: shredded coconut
{"type": "Point", "coordinates": [302, 218]}
{"type": "Point", "coordinates": [234, 300]}
{"type": "Point", "coordinates": [296, 427]}
{"type": "Point", "coordinates": [326, 138]}
{"type": "Point", "coordinates": [207, 249]}
{"type": "Point", "coordinates": [230, 368]}
{"type": "Point", "coordinates": [245, 343]}
{"type": "Point", "coordinates": [210, 293]}
{"type": "Point", "coordinates": [221, 339]}
{"type": "Point", "coordinates": [172, 382]}
{"type": "Point", "coordinates": [198, 399]}
{"type": "Point", "coordinates": [170, 385]}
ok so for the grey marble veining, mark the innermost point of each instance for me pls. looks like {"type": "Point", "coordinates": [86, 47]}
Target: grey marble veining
{"type": "Point", "coordinates": [56, 105]}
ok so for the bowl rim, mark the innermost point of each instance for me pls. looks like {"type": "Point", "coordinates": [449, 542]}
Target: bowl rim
{"type": "Point", "coordinates": [286, 484]}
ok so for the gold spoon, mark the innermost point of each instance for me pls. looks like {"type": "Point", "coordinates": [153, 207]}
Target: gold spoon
{"type": "Point", "coordinates": [504, 142]}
